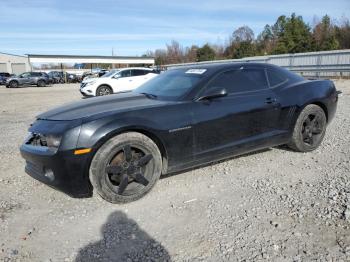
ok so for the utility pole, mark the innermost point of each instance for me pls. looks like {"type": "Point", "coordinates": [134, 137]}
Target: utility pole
{"type": "Point", "coordinates": [113, 55]}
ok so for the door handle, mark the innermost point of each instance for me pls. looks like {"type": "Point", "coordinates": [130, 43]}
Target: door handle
{"type": "Point", "coordinates": [270, 100]}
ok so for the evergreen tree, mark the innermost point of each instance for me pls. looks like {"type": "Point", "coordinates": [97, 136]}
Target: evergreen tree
{"type": "Point", "coordinates": [294, 35]}
{"type": "Point", "coordinates": [324, 35]}
{"type": "Point", "coordinates": [286, 35]}
{"type": "Point", "coordinates": [342, 34]}
{"type": "Point", "coordinates": [205, 53]}
{"type": "Point", "coordinates": [265, 41]}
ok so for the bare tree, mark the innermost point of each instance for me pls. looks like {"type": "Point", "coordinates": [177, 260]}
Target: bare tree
{"type": "Point", "coordinates": [175, 52]}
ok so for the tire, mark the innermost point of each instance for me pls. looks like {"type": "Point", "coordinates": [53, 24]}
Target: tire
{"type": "Point", "coordinates": [104, 90]}
{"type": "Point", "coordinates": [309, 129]}
{"type": "Point", "coordinates": [41, 83]}
{"type": "Point", "coordinates": [13, 84]}
{"type": "Point", "coordinates": [115, 168]}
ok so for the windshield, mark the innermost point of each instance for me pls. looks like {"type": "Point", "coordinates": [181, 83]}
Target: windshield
{"type": "Point", "coordinates": [170, 85]}
{"type": "Point", "coordinates": [110, 73]}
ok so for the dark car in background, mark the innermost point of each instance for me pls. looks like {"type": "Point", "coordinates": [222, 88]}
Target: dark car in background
{"type": "Point", "coordinates": [39, 79]}
{"type": "Point", "coordinates": [63, 77]}
{"type": "Point", "coordinates": [72, 78]}
{"type": "Point", "coordinates": [3, 77]}
{"type": "Point", "coordinates": [185, 117]}
{"type": "Point", "coordinates": [57, 76]}
{"type": "Point", "coordinates": [102, 72]}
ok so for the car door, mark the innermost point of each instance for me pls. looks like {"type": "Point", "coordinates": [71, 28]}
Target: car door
{"type": "Point", "coordinates": [122, 82]}
{"type": "Point", "coordinates": [242, 120]}
{"type": "Point", "coordinates": [24, 78]}
{"type": "Point", "coordinates": [33, 79]}
{"type": "Point", "coordinates": [137, 79]}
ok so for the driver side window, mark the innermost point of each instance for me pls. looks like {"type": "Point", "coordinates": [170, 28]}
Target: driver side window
{"type": "Point", "coordinates": [240, 80]}
{"type": "Point", "coordinates": [25, 75]}
{"type": "Point", "coordinates": [125, 73]}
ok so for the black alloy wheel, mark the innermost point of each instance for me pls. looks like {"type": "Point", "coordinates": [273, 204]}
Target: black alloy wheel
{"type": "Point", "coordinates": [312, 129]}
{"type": "Point", "coordinates": [126, 167]}
{"type": "Point", "coordinates": [309, 129]}
{"type": "Point", "coordinates": [127, 172]}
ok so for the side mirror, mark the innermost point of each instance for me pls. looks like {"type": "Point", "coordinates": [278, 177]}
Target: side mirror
{"type": "Point", "coordinates": [213, 93]}
{"type": "Point", "coordinates": [116, 76]}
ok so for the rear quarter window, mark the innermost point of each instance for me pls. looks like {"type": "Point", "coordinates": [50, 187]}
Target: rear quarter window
{"type": "Point", "coordinates": [276, 77]}
{"type": "Point", "coordinates": [279, 76]}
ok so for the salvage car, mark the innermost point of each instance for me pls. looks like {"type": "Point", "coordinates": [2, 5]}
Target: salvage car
{"type": "Point", "coordinates": [119, 145]}
{"type": "Point", "coordinates": [39, 79]}
{"type": "Point", "coordinates": [115, 81]}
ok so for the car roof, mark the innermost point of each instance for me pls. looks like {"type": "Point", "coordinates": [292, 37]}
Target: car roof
{"type": "Point", "coordinates": [128, 68]}
{"type": "Point", "coordinates": [213, 68]}
{"type": "Point", "coordinates": [220, 65]}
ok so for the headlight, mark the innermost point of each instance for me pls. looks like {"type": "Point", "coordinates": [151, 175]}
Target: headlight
{"type": "Point", "coordinates": [90, 83]}
{"type": "Point", "coordinates": [50, 141]}
{"type": "Point", "coordinates": [53, 141]}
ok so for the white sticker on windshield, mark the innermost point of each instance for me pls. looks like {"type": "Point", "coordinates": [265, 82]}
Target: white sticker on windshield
{"type": "Point", "coordinates": [195, 71]}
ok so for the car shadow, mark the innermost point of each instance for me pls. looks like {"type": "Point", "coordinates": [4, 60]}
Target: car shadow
{"type": "Point", "coordinates": [123, 240]}
{"type": "Point", "coordinates": [284, 148]}
{"type": "Point", "coordinates": [215, 163]}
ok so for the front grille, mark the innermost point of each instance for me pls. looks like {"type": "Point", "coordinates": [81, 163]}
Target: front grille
{"type": "Point", "coordinates": [82, 85]}
{"type": "Point", "coordinates": [37, 140]}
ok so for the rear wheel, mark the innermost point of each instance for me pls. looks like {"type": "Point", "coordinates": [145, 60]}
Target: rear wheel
{"type": "Point", "coordinates": [309, 129]}
{"type": "Point", "coordinates": [13, 84]}
{"type": "Point", "coordinates": [103, 91]}
{"type": "Point", "coordinates": [125, 168]}
{"type": "Point", "coordinates": [41, 83]}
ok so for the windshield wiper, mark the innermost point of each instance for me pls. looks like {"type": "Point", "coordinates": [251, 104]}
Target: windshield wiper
{"type": "Point", "coordinates": [150, 95]}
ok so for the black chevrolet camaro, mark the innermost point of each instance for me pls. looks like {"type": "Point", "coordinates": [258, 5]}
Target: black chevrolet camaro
{"type": "Point", "coordinates": [119, 145]}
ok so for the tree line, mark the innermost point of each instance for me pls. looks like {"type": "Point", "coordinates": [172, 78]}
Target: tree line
{"type": "Point", "coordinates": [287, 35]}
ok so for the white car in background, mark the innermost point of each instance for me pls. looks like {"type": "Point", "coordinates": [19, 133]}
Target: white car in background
{"type": "Point", "coordinates": [117, 80]}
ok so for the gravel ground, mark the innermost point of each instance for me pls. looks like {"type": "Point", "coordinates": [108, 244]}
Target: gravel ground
{"type": "Point", "coordinates": [274, 205]}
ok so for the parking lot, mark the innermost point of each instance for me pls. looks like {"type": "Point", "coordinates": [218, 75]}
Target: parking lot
{"type": "Point", "coordinates": [272, 205]}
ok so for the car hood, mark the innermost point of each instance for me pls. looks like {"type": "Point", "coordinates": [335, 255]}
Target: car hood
{"type": "Point", "coordinates": [100, 106]}
{"type": "Point", "coordinates": [88, 80]}
{"type": "Point", "coordinates": [12, 78]}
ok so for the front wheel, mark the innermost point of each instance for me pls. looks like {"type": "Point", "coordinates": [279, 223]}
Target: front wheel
{"type": "Point", "coordinates": [309, 129]}
{"type": "Point", "coordinates": [13, 84]}
{"type": "Point", "coordinates": [103, 91]}
{"type": "Point", "coordinates": [125, 168]}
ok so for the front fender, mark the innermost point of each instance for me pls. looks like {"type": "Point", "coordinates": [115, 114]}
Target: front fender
{"type": "Point", "coordinates": [94, 134]}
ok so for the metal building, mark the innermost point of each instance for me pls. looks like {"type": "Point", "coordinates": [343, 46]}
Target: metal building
{"type": "Point", "coordinates": [113, 61]}
{"type": "Point", "coordinates": [61, 59]}
{"type": "Point", "coordinates": [14, 64]}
